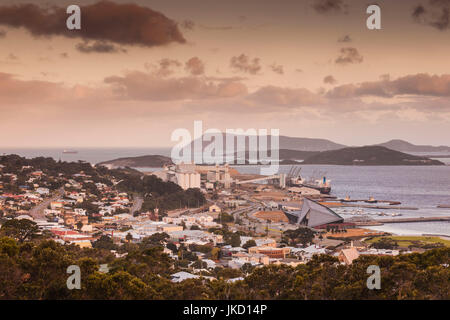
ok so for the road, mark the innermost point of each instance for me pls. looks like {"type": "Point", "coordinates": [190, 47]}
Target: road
{"type": "Point", "coordinates": [38, 211]}
{"type": "Point", "coordinates": [137, 204]}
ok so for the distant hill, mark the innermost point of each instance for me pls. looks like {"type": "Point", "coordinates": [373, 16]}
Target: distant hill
{"type": "Point", "coordinates": [288, 143]}
{"type": "Point", "coordinates": [156, 161]}
{"type": "Point", "coordinates": [286, 154]}
{"type": "Point", "coordinates": [368, 155]}
{"type": "Point", "coordinates": [405, 146]}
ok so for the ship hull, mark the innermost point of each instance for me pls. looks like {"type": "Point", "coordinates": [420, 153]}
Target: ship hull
{"type": "Point", "coordinates": [323, 190]}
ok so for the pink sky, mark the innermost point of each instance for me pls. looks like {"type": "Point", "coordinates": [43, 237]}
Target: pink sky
{"type": "Point", "coordinates": [306, 69]}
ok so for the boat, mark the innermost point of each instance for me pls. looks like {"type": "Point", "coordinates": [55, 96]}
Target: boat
{"type": "Point", "coordinates": [70, 151]}
{"type": "Point", "coordinates": [371, 200]}
{"type": "Point", "coordinates": [323, 185]}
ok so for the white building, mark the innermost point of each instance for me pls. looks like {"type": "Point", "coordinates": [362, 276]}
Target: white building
{"type": "Point", "coordinates": [188, 179]}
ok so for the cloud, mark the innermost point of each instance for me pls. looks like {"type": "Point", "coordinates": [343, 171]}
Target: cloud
{"type": "Point", "coordinates": [220, 28]}
{"type": "Point", "coordinates": [329, 80]}
{"type": "Point", "coordinates": [138, 85]}
{"type": "Point", "coordinates": [12, 56]}
{"type": "Point", "coordinates": [288, 97]}
{"type": "Point", "coordinates": [436, 14]}
{"type": "Point", "coordinates": [345, 39]}
{"type": "Point", "coordinates": [349, 55]}
{"type": "Point", "coordinates": [164, 68]}
{"type": "Point", "coordinates": [277, 68]}
{"type": "Point", "coordinates": [195, 66]}
{"type": "Point", "coordinates": [64, 55]}
{"type": "Point", "coordinates": [327, 6]}
{"type": "Point", "coordinates": [187, 24]}
{"type": "Point", "coordinates": [2, 34]}
{"type": "Point", "coordinates": [245, 64]}
{"type": "Point", "coordinates": [17, 91]}
{"type": "Point", "coordinates": [421, 84]}
{"type": "Point", "coordinates": [98, 47]}
{"type": "Point", "coordinates": [125, 24]}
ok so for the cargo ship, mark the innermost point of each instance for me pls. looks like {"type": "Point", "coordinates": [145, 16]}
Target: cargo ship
{"type": "Point", "coordinates": [70, 151]}
{"type": "Point", "coordinates": [323, 185]}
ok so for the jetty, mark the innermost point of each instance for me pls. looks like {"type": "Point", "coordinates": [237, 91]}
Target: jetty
{"type": "Point", "coordinates": [379, 222]}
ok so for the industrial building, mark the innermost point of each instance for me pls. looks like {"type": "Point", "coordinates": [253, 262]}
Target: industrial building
{"type": "Point", "coordinates": [312, 214]}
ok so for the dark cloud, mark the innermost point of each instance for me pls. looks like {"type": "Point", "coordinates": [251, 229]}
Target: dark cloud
{"type": "Point", "coordinates": [195, 66]}
{"type": "Point", "coordinates": [421, 84]}
{"type": "Point", "coordinates": [243, 63]}
{"type": "Point", "coordinates": [126, 24]}
{"type": "Point", "coordinates": [98, 47]}
{"type": "Point", "coordinates": [327, 6]}
{"type": "Point", "coordinates": [329, 80]}
{"type": "Point", "coordinates": [435, 14]}
{"type": "Point", "coordinates": [345, 39]}
{"type": "Point", "coordinates": [349, 55]}
{"type": "Point", "coordinates": [146, 86]}
{"type": "Point", "coordinates": [277, 68]}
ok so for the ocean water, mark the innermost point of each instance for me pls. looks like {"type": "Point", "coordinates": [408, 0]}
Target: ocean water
{"type": "Point", "coordinates": [91, 155]}
{"type": "Point", "coordinates": [422, 187]}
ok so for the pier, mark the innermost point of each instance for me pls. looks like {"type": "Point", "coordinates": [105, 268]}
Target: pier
{"type": "Point", "coordinates": [379, 222]}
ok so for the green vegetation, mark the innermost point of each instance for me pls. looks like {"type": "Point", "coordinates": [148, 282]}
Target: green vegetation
{"type": "Point", "coordinates": [301, 235]}
{"type": "Point", "coordinates": [408, 241]}
{"type": "Point", "coordinates": [369, 155]}
{"type": "Point", "coordinates": [37, 270]}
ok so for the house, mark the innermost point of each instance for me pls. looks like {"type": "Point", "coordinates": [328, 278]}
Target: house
{"type": "Point", "coordinates": [270, 251]}
{"type": "Point", "coordinates": [348, 255]}
{"type": "Point", "coordinates": [181, 276]}
{"type": "Point", "coordinates": [287, 261]}
{"type": "Point", "coordinates": [215, 208]}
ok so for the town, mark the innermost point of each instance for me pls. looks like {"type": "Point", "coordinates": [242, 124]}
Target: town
{"type": "Point", "coordinates": [210, 221]}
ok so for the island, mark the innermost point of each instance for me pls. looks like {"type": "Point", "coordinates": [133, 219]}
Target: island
{"type": "Point", "coordinates": [155, 161]}
{"type": "Point", "coordinates": [369, 155]}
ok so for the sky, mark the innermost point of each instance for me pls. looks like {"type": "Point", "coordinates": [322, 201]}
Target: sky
{"type": "Point", "coordinates": [138, 70]}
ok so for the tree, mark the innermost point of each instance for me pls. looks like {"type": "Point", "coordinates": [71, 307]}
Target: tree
{"type": "Point", "coordinates": [301, 235]}
{"type": "Point", "coordinates": [22, 230]}
{"type": "Point", "coordinates": [104, 242]}
{"type": "Point", "coordinates": [385, 243]}
{"type": "Point", "coordinates": [199, 264]}
{"type": "Point", "coordinates": [235, 240]}
{"type": "Point", "coordinates": [129, 237]}
{"type": "Point", "coordinates": [249, 243]}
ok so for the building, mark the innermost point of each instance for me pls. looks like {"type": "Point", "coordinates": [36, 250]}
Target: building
{"type": "Point", "coordinates": [188, 179]}
{"type": "Point", "coordinates": [312, 214]}
{"type": "Point", "coordinates": [348, 255]}
{"type": "Point", "coordinates": [278, 253]}
{"type": "Point", "coordinates": [215, 208]}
